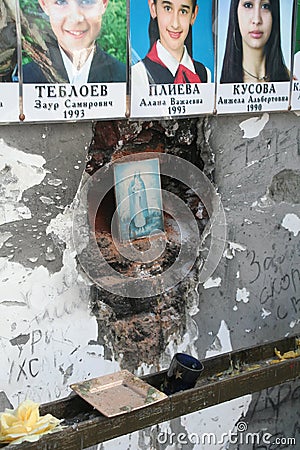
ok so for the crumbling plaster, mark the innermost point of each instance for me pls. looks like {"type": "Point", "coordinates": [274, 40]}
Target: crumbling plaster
{"type": "Point", "coordinates": [49, 337]}
{"type": "Point", "coordinates": [46, 325]}
{"type": "Point", "coordinates": [257, 178]}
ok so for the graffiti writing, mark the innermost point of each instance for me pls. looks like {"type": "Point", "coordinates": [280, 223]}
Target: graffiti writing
{"type": "Point", "coordinates": [269, 414]}
{"type": "Point", "coordinates": [276, 282]}
{"type": "Point", "coordinates": [26, 367]}
{"type": "Point", "coordinates": [273, 397]}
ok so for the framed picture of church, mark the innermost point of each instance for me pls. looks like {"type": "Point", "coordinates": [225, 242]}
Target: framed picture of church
{"type": "Point", "coordinates": [138, 199]}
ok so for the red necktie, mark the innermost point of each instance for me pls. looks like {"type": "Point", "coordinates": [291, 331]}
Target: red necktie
{"type": "Point", "coordinates": [183, 74]}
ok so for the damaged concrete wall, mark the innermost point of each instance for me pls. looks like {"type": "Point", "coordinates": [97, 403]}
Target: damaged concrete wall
{"type": "Point", "coordinates": [46, 325]}
{"type": "Point", "coordinates": [50, 335]}
{"type": "Point", "coordinates": [258, 178]}
{"type": "Point", "coordinates": [139, 329]}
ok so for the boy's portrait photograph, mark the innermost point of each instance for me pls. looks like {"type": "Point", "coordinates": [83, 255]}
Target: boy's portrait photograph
{"type": "Point", "coordinates": [74, 41]}
{"type": "Point", "coordinates": [172, 43]}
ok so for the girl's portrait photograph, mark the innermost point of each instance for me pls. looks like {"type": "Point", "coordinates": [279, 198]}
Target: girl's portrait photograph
{"type": "Point", "coordinates": [171, 43]}
{"type": "Point", "coordinates": [254, 41]}
{"type": "Point", "coordinates": [170, 50]}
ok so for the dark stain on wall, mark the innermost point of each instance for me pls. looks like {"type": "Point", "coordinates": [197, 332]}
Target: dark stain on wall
{"type": "Point", "coordinates": [285, 187]}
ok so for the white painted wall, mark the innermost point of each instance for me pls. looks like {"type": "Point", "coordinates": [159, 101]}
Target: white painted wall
{"type": "Point", "coordinates": [48, 336]}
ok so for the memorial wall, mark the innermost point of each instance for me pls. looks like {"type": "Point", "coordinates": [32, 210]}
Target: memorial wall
{"type": "Point", "coordinates": [111, 59]}
{"type": "Point", "coordinates": [57, 326]}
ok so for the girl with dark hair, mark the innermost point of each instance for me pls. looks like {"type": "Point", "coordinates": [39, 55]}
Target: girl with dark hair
{"type": "Point", "coordinates": [253, 48]}
{"type": "Point", "coordinates": [170, 57]}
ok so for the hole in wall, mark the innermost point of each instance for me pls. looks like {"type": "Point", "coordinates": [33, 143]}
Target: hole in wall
{"type": "Point", "coordinates": [137, 330]}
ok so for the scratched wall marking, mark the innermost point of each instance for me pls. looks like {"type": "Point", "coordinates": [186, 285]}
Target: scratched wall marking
{"type": "Point", "coordinates": [274, 277]}
{"type": "Point", "coordinates": [45, 338]}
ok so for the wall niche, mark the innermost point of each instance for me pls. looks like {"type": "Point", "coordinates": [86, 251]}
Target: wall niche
{"type": "Point", "coordinates": [138, 330]}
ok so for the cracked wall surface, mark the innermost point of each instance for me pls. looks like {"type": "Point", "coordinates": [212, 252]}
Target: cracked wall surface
{"type": "Point", "coordinates": [46, 324]}
{"type": "Point", "coordinates": [53, 329]}
{"type": "Point", "coordinates": [257, 178]}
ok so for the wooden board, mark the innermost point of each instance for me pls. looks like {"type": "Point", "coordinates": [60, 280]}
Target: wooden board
{"type": "Point", "coordinates": [224, 378]}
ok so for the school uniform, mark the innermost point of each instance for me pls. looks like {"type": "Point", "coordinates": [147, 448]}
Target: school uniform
{"type": "Point", "coordinates": [103, 68]}
{"type": "Point", "coordinates": [160, 67]}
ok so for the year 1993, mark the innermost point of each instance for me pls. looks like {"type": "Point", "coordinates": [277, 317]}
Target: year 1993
{"type": "Point", "coordinates": [74, 114]}
{"type": "Point", "coordinates": [176, 110]}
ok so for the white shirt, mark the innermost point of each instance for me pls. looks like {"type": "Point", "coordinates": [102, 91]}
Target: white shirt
{"type": "Point", "coordinates": [171, 63]}
{"type": "Point", "coordinates": [139, 75]}
{"type": "Point", "coordinates": [77, 76]}
{"type": "Point", "coordinates": [297, 65]}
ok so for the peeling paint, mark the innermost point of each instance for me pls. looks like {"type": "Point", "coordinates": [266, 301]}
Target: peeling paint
{"type": "Point", "coordinates": [222, 343]}
{"type": "Point", "coordinates": [57, 321]}
{"type": "Point", "coordinates": [18, 172]}
{"type": "Point", "coordinates": [47, 200]}
{"type": "Point", "coordinates": [294, 323]}
{"type": "Point", "coordinates": [242, 295]}
{"type": "Point", "coordinates": [253, 126]}
{"type": "Point", "coordinates": [4, 237]}
{"type": "Point", "coordinates": [232, 248]}
{"type": "Point", "coordinates": [55, 182]}
{"type": "Point", "coordinates": [212, 282]}
{"type": "Point", "coordinates": [291, 222]}
{"type": "Point", "coordinates": [265, 313]}
{"type": "Point", "coordinates": [184, 345]}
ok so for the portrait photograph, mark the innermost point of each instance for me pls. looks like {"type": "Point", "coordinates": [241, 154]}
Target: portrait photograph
{"type": "Point", "coordinates": [171, 43]}
{"type": "Point", "coordinates": [74, 41]}
{"type": "Point", "coordinates": [74, 59]}
{"type": "Point", "coordinates": [254, 45]}
{"type": "Point", "coordinates": [9, 90]}
{"type": "Point", "coordinates": [8, 43]}
{"type": "Point", "coordinates": [261, 32]}
{"type": "Point", "coordinates": [138, 199]}
{"type": "Point", "coordinates": [297, 44]}
{"type": "Point", "coordinates": [295, 101]}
